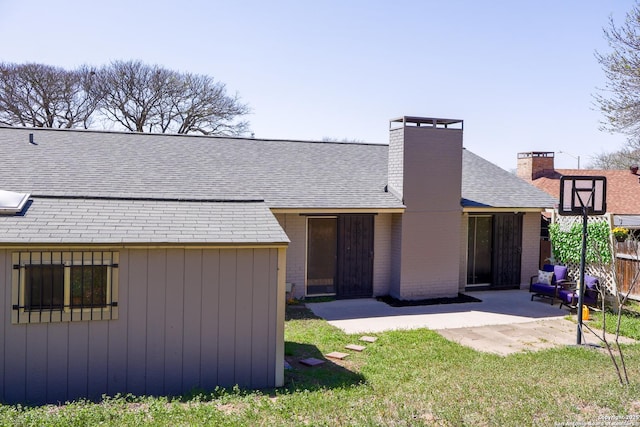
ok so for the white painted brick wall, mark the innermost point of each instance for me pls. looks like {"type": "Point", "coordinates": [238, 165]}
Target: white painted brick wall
{"type": "Point", "coordinates": [464, 252]}
{"type": "Point", "coordinates": [295, 227]}
{"type": "Point", "coordinates": [395, 175]}
{"type": "Point", "coordinates": [530, 247]}
{"type": "Point", "coordinates": [396, 253]}
{"type": "Point", "coordinates": [382, 254]}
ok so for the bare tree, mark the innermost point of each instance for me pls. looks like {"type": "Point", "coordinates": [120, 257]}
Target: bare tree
{"type": "Point", "coordinates": [147, 98]}
{"type": "Point", "coordinates": [44, 96]}
{"type": "Point", "coordinates": [622, 159]}
{"type": "Point", "coordinates": [330, 139]}
{"type": "Point", "coordinates": [620, 99]}
{"type": "Point", "coordinates": [202, 105]}
{"type": "Point", "coordinates": [131, 93]}
{"type": "Point", "coordinates": [136, 96]}
{"type": "Point", "coordinates": [614, 300]}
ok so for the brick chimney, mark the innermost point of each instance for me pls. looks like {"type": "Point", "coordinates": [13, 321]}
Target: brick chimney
{"type": "Point", "coordinates": [425, 172]}
{"type": "Point", "coordinates": [535, 164]}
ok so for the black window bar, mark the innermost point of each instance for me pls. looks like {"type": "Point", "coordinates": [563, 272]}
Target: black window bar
{"type": "Point", "coordinates": [42, 287]}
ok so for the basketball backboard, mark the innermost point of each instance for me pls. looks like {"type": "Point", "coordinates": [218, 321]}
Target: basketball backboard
{"type": "Point", "coordinates": [580, 192]}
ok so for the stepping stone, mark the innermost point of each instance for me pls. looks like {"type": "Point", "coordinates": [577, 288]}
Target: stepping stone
{"type": "Point", "coordinates": [312, 361]}
{"type": "Point", "coordinates": [337, 355]}
{"type": "Point", "coordinates": [355, 347]}
{"type": "Point", "coordinates": [367, 338]}
{"type": "Point", "coordinates": [287, 366]}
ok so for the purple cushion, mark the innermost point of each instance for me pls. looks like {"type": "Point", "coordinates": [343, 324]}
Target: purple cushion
{"type": "Point", "coordinates": [590, 281]}
{"type": "Point", "coordinates": [560, 272]}
{"type": "Point", "coordinates": [566, 295]}
{"type": "Point", "coordinates": [541, 288]}
{"type": "Point", "coordinates": [548, 267]}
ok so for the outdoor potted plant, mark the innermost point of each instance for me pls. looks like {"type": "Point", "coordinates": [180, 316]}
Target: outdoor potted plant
{"type": "Point", "coordinates": [620, 233]}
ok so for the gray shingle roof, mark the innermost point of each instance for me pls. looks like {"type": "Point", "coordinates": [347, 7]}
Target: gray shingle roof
{"type": "Point", "coordinates": [283, 173]}
{"type": "Point", "coordinates": [487, 185]}
{"type": "Point", "coordinates": [56, 220]}
{"type": "Point", "coordinates": [157, 167]}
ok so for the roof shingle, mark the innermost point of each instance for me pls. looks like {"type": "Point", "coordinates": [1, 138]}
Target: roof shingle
{"type": "Point", "coordinates": [82, 221]}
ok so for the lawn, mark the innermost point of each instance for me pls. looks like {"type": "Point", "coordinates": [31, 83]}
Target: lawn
{"type": "Point", "coordinates": [405, 378]}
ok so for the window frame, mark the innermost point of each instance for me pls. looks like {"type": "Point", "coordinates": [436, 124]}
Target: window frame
{"type": "Point", "coordinates": [23, 313]}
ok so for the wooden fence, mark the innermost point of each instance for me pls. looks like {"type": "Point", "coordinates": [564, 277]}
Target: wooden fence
{"type": "Point", "coordinates": [628, 267]}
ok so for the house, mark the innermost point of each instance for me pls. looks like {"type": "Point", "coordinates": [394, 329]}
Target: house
{"type": "Point", "coordinates": [156, 264]}
{"type": "Point", "coordinates": [623, 195]}
{"type": "Point", "coordinates": [623, 206]}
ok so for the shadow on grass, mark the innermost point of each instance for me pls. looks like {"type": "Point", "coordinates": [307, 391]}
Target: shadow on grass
{"type": "Point", "coordinates": [299, 312]}
{"type": "Point", "coordinates": [330, 374]}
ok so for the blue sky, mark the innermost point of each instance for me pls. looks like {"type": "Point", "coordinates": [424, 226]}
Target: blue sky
{"type": "Point", "coordinates": [521, 74]}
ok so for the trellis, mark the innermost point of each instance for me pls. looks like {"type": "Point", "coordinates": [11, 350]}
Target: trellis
{"type": "Point", "coordinates": [604, 272]}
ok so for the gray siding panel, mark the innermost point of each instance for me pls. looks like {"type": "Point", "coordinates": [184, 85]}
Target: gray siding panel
{"type": "Point", "coordinates": [211, 264]}
{"type": "Point", "coordinates": [259, 328]}
{"type": "Point", "coordinates": [244, 295]}
{"type": "Point", "coordinates": [174, 308]}
{"type": "Point", "coordinates": [188, 318]}
{"type": "Point", "coordinates": [156, 302]}
{"type": "Point", "coordinates": [227, 312]}
{"type": "Point", "coordinates": [5, 298]}
{"type": "Point", "coordinates": [15, 367]}
{"type": "Point", "coordinates": [78, 358]}
{"type": "Point", "coordinates": [36, 359]}
{"type": "Point", "coordinates": [272, 303]}
{"type": "Point", "coordinates": [58, 363]}
{"type": "Point", "coordinates": [192, 321]}
{"type": "Point", "coordinates": [137, 322]}
{"type": "Point", "coordinates": [97, 381]}
{"type": "Point", "coordinates": [118, 337]}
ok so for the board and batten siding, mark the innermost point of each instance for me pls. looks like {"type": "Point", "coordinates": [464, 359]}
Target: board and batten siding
{"type": "Point", "coordinates": [188, 319]}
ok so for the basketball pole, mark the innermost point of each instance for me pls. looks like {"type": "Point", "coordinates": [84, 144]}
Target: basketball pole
{"type": "Point", "coordinates": [582, 195]}
{"type": "Point", "coordinates": [585, 219]}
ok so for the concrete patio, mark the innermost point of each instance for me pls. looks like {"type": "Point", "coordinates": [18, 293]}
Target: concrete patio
{"type": "Point", "coordinates": [504, 322]}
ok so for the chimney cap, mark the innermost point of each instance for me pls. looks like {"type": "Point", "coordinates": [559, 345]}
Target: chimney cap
{"type": "Point", "coordinates": [432, 121]}
{"type": "Point", "coordinates": [530, 154]}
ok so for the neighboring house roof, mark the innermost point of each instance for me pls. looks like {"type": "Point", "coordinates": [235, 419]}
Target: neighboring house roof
{"type": "Point", "coordinates": [623, 187]}
{"type": "Point", "coordinates": [86, 220]}
{"type": "Point", "coordinates": [487, 185]}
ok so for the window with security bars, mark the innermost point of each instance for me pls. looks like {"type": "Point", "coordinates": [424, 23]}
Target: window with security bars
{"type": "Point", "coordinates": [60, 286]}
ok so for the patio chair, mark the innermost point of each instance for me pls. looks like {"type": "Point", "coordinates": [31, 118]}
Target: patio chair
{"type": "Point", "coordinates": [569, 297]}
{"type": "Point", "coordinates": [545, 285]}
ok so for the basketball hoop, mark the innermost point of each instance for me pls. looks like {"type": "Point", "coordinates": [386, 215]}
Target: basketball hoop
{"type": "Point", "coordinates": [584, 196]}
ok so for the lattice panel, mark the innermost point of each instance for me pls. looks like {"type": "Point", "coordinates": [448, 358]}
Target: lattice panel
{"type": "Point", "coordinates": [604, 272]}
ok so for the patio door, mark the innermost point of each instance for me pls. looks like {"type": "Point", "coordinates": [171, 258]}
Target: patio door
{"type": "Point", "coordinates": [355, 256]}
{"type": "Point", "coordinates": [340, 256]}
{"type": "Point", "coordinates": [322, 238]}
{"type": "Point", "coordinates": [480, 242]}
{"type": "Point", "coordinates": [507, 250]}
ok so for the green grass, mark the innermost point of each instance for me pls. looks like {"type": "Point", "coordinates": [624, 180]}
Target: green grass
{"type": "Point", "coordinates": [629, 321]}
{"type": "Point", "coordinates": [405, 378]}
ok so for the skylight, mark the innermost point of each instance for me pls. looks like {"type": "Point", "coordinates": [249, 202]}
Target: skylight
{"type": "Point", "coordinates": [11, 202]}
